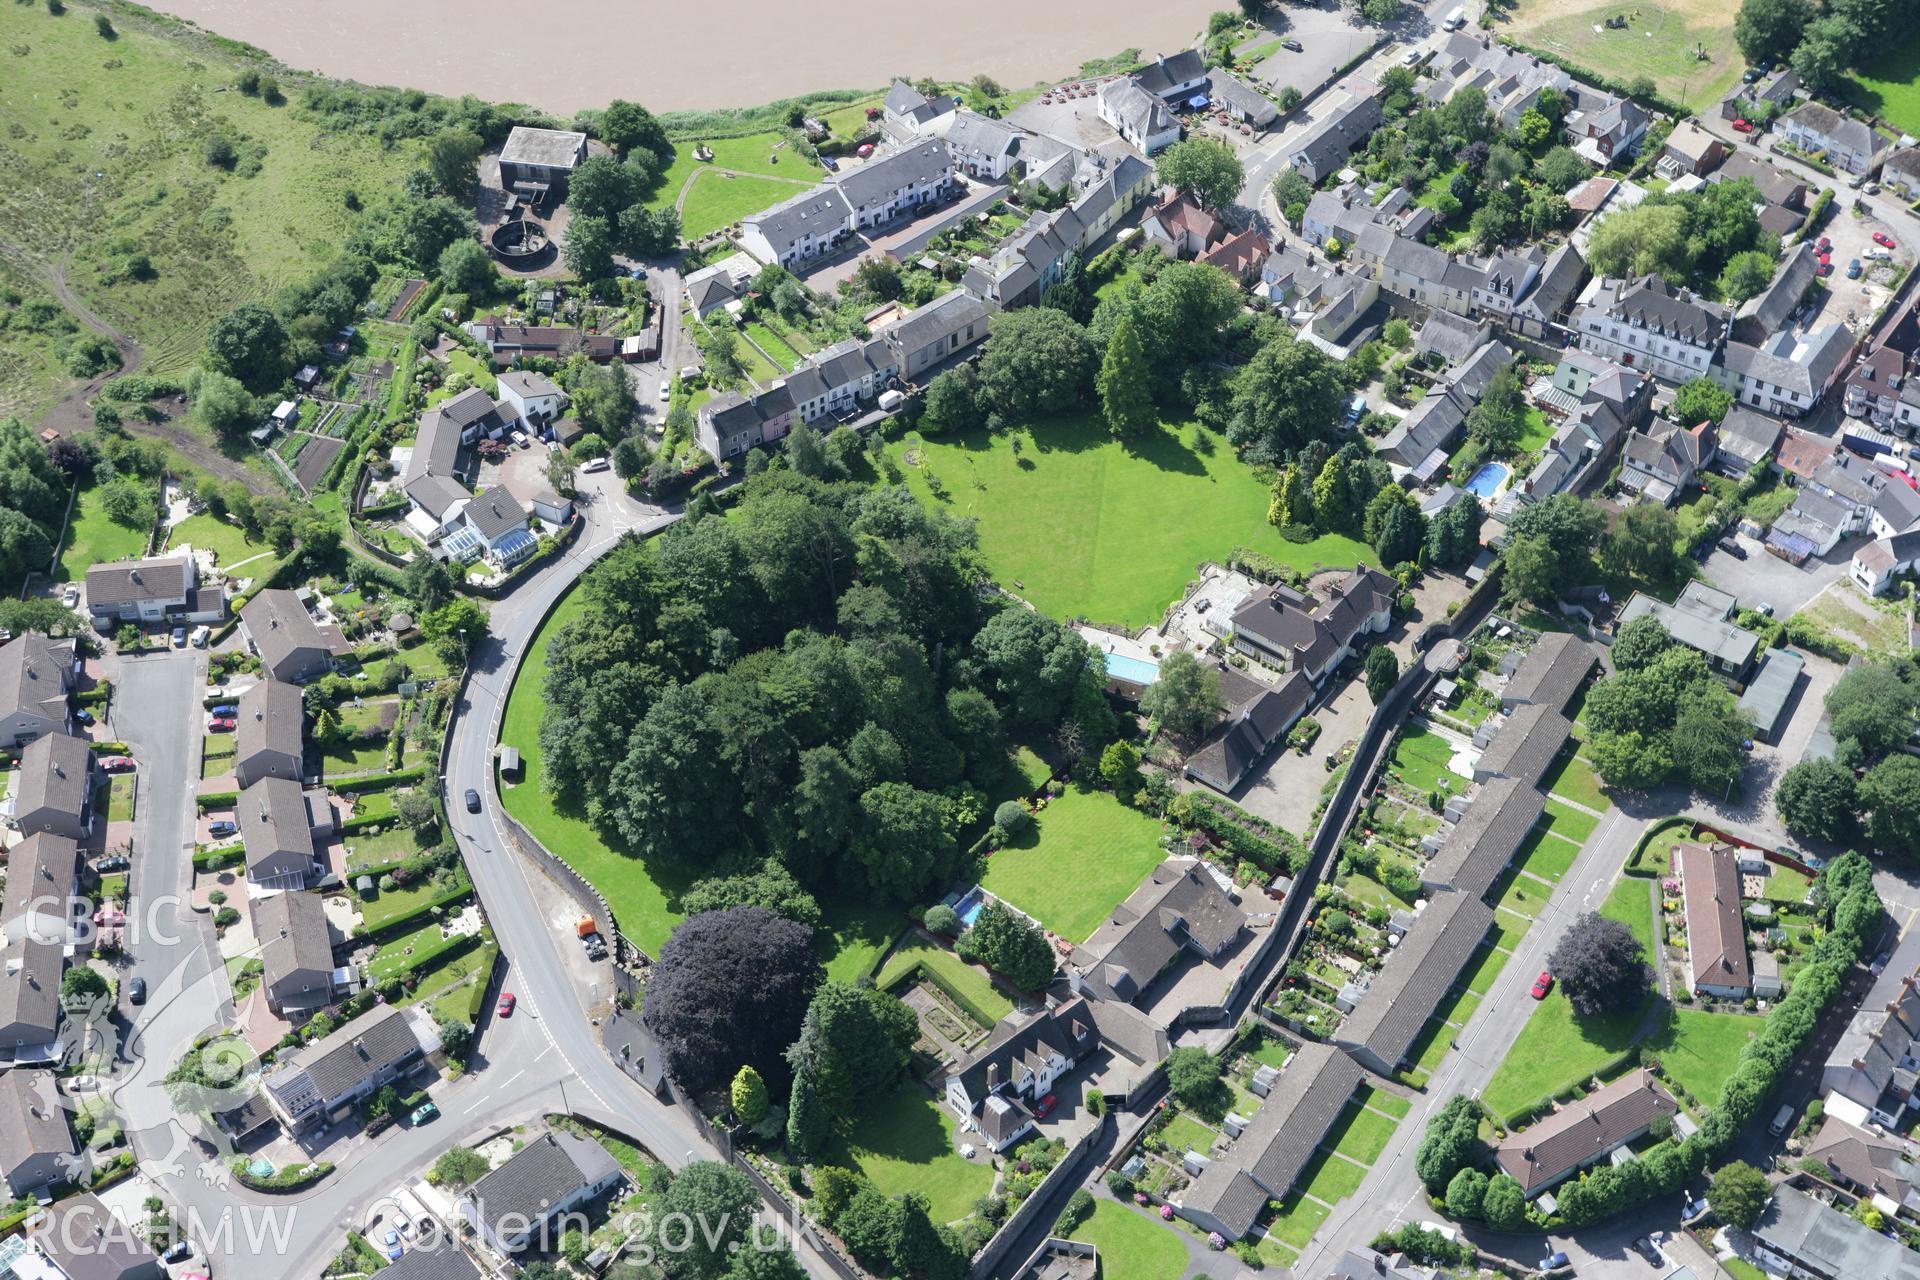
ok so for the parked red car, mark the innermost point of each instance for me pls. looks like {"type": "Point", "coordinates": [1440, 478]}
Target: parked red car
{"type": "Point", "coordinates": [220, 724]}
{"type": "Point", "coordinates": [1046, 1105]}
{"type": "Point", "coordinates": [1824, 245]}
{"type": "Point", "coordinates": [1542, 985]}
{"type": "Point", "coordinates": [1824, 270]}
{"type": "Point", "coordinates": [115, 764]}
{"type": "Point", "coordinates": [1884, 240]}
{"type": "Point", "coordinates": [505, 1007]}
{"type": "Point", "coordinates": [1743, 126]}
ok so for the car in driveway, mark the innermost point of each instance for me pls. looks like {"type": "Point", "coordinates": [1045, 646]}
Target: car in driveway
{"type": "Point", "coordinates": [112, 862]}
{"type": "Point", "coordinates": [224, 709]}
{"type": "Point", "coordinates": [390, 1245]}
{"type": "Point", "coordinates": [1650, 1251]}
{"type": "Point", "coordinates": [1553, 1261]}
{"type": "Point", "coordinates": [221, 724]}
{"type": "Point", "coordinates": [1542, 985]}
{"type": "Point", "coordinates": [222, 828]}
{"type": "Point", "coordinates": [594, 465]}
{"type": "Point", "coordinates": [1885, 241]}
{"type": "Point", "coordinates": [83, 716]}
{"type": "Point", "coordinates": [71, 596]}
{"type": "Point", "coordinates": [115, 764]}
{"type": "Point", "coordinates": [666, 390]}
{"type": "Point", "coordinates": [506, 1005]}
{"type": "Point", "coordinates": [1824, 270]}
{"type": "Point", "coordinates": [1733, 548]}
{"type": "Point", "coordinates": [1743, 126]}
{"type": "Point", "coordinates": [1046, 1106]}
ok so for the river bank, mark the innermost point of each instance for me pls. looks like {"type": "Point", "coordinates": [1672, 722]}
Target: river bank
{"type": "Point", "coordinates": [675, 55]}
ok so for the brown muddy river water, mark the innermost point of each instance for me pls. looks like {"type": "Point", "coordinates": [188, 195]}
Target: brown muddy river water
{"type": "Point", "coordinates": [671, 55]}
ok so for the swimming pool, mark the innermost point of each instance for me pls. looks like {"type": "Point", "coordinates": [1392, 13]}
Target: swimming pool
{"type": "Point", "coordinates": [967, 907]}
{"type": "Point", "coordinates": [1133, 670]}
{"type": "Point", "coordinates": [1487, 480]}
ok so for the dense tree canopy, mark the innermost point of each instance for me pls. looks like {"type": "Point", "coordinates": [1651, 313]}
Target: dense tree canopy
{"type": "Point", "coordinates": [1287, 395]}
{"type": "Point", "coordinates": [1207, 170]}
{"type": "Point", "coordinates": [1038, 361]}
{"type": "Point", "coordinates": [1872, 708]}
{"type": "Point", "coordinates": [1816, 798]}
{"type": "Point", "coordinates": [1450, 1144]}
{"type": "Point", "coordinates": [1186, 696]}
{"type": "Point", "coordinates": [1600, 965]}
{"type": "Point", "coordinates": [730, 988]}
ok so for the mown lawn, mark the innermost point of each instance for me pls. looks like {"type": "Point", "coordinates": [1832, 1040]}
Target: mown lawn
{"type": "Point", "coordinates": [94, 539]}
{"type": "Point", "coordinates": [1083, 527]}
{"type": "Point", "coordinates": [1557, 1050]}
{"type": "Point", "coordinates": [718, 200]}
{"type": "Point", "coordinates": [388, 905]}
{"type": "Point", "coordinates": [1631, 903]}
{"type": "Point", "coordinates": [1570, 824]}
{"type": "Point", "coordinates": [1380, 1100]}
{"type": "Point", "coordinates": [1699, 1049]}
{"type": "Point", "coordinates": [1546, 855]}
{"type": "Point", "coordinates": [1888, 81]}
{"type": "Point", "coordinates": [1131, 1245]}
{"type": "Point", "coordinates": [1361, 1134]}
{"type": "Point", "coordinates": [1420, 759]}
{"type": "Point", "coordinates": [1574, 779]}
{"type": "Point", "coordinates": [1085, 854]}
{"type": "Point", "coordinates": [973, 984]}
{"type": "Point", "coordinates": [228, 542]}
{"type": "Point", "coordinates": [905, 1143]}
{"type": "Point", "coordinates": [1184, 1133]}
{"type": "Point", "coordinates": [1295, 1222]}
{"type": "Point", "coordinates": [1658, 41]}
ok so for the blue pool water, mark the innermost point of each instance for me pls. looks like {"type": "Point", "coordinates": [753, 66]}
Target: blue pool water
{"type": "Point", "coordinates": [1487, 480]}
{"type": "Point", "coordinates": [1133, 670]}
{"type": "Point", "coordinates": [968, 908]}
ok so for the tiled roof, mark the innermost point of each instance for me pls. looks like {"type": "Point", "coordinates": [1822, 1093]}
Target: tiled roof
{"type": "Point", "coordinates": [1583, 1131]}
{"type": "Point", "coordinates": [1525, 744]}
{"type": "Point", "coordinates": [1552, 671]}
{"type": "Point", "coordinates": [1716, 937]}
{"type": "Point", "coordinates": [538, 1178]}
{"type": "Point", "coordinates": [271, 717]}
{"type": "Point", "coordinates": [32, 1119]}
{"type": "Point", "coordinates": [35, 674]}
{"type": "Point", "coordinates": [55, 772]}
{"type": "Point", "coordinates": [1179, 901]}
{"type": "Point", "coordinates": [40, 876]}
{"type": "Point", "coordinates": [272, 816]}
{"type": "Point", "coordinates": [1428, 961]}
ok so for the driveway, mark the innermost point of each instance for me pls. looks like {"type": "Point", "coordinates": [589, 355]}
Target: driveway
{"type": "Point", "coordinates": [1767, 579]}
{"type": "Point", "coordinates": [1285, 789]}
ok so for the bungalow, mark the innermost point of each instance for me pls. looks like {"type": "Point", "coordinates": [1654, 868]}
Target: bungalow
{"type": "Point", "coordinates": [1583, 1133]}
{"type": "Point", "coordinates": [1484, 842]}
{"type": "Point", "coordinates": [1180, 226]}
{"type": "Point", "coordinates": [1242, 101]}
{"type": "Point", "coordinates": [532, 397]}
{"type": "Point", "coordinates": [324, 1082]}
{"type": "Point", "coordinates": [36, 675]}
{"type": "Point", "coordinates": [1277, 627]}
{"type": "Point", "coordinates": [1717, 962]}
{"type": "Point", "coordinates": [994, 1089]}
{"type": "Point", "coordinates": [1138, 116]}
{"type": "Point", "coordinates": [1799, 1237]}
{"type": "Point", "coordinates": [164, 589]}
{"type": "Point", "coordinates": [277, 832]}
{"type": "Point", "coordinates": [1180, 909]}
{"type": "Point", "coordinates": [276, 626]}
{"type": "Point", "coordinates": [30, 972]}
{"type": "Point", "coordinates": [1661, 461]}
{"type": "Point", "coordinates": [296, 952]}
{"type": "Point", "coordinates": [267, 734]}
{"type": "Point", "coordinates": [36, 1147]}
{"type": "Point", "coordinates": [536, 161]}
{"type": "Point", "coordinates": [1523, 744]}
{"type": "Point", "coordinates": [1553, 671]}
{"type": "Point", "coordinates": [1259, 716]}
{"type": "Point", "coordinates": [1874, 1062]}
{"type": "Point", "coordinates": [1381, 1030]}
{"type": "Point", "coordinates": [537, 1195]}
{"type": "Point", "coordinates": [1700, 618]}
{"type": "Point", "coordinates": [1275, 1146]}
{"type": "Point", "coordinates": [53, 790]}
{"type": "Point", "coordinates": [1816, 128]}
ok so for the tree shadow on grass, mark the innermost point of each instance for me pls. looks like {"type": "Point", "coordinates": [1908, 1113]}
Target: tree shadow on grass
{"type": "Point", "coordinates": [903, 1127]}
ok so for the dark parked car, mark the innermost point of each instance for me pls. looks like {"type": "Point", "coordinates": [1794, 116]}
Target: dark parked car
{"type": "Point", "coordinates": [1649, 1251]}
{"type": "Point", "coordinates": [221, 828]}
{"type": "Point", "coordinates": [1553, 1261]}
{"type": "Point", "coordinates": [180, 1252]}
{"type": "Point", "coordinates": [224, 709]}
{"type": "Point", "coordinates": [112, 862]}
{"type": "Point", "coordinates": [1733, 548]}
{"type": "Point", "coordinates": [473, 800]}
{"type": "Point", "coordinates": [137, 991]}
{"type": "Point", "coordinates": [83, 716]}
{"type": "Point", "coordinates": [1293, 46]}
{"type": "Point", "coordinates": [1853, 269]}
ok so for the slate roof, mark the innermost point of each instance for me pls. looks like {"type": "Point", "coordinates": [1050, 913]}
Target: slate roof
{"type": "Point", "coordinates": [538, 1177]}
{"type": "Point", "coordinates": [548, 148]}
{"type": "Point", "coordinates": [1428, 961]}
{"type": "Point", "coordinates": [1767, 311]}
{"type": "Point", "coordinates": [1583, 1131]}
{"type": "Point", "coordinates": [132, 581]}
{"type": "Point", "coordinates": [1140, 111]}
{"type": "Point", "coordinates": [35, 675]}
{"type": "Point", "coordinates": [1481, 844]}
{"type": "Point", "coordinates": [1431, 424]}
{"type": "Point", "coordinates": [1776, 186]}
{"type": "Point", "coordinates": [1552, 671]}
{"type": "Point", "coordinates": [936, 321]}
{"type": "Point", "coordinates": [971, 131]}
{"type": "Point", "coordinates": [1178, 902]}
{"type": "Point", "coordinates": [1455, 337]}
{"type": "Point", "coordinates": [272, 714]}
{"type": "Point", "coordinates": [1327, 144]}
{"type": "Point", "coordinates": [494, 513]}
{"type": "Point", "coordinates": [1234, 93]}
{"type": "Point", "coordinates": [1839, 130]}
{"type": "Point", "coordinates": [1166, 73]}
{"type": "Point", "coordinates": [1749, 435]}
{"type": "Point", "coordinates": [877, 179]}
{"type": "Point", "coordinates": [43, 866]}
{"type": "Point", "coordinates": [1525, 744]}
{"type": "Point", "coordinates": [272, 816]}
{"type": "Point", "coordinates": [1654, 304]}
{"type": "Point", "coordinates": [1558, 282]}
{"type": "Point", "coordinates": [32, 1121]}
{"type": "Point", "coordinates": [1365, 1264]}
{"type": "Point", "coordinates": [1067, 1028]}
{"type": "Point", "coordinates": [1887, 1024]}
{"type": "Point", "coordinates": [1251, 729]}
{"type": "Point", "coordinates": [1829, 1242]}
{"type": "Point", "coordinates": [1278, 615]}
{"type": "Point", "coordinates": [822, 210]}
{"type": "Point", "coordinates": [291, 929]}
{"type": "Point", "coordinates": [55, 772]}
{"type": "Point", "coordinates": [1716, 936]}
{"type": "Point", "coordinates": [1715, 637]}
{"type": "Point", "coordinates": [86, 1241]}
{"type": "Point", "coordinates": [529, 384]}
{"type": "Point", "coordinates": [1876, 1162]}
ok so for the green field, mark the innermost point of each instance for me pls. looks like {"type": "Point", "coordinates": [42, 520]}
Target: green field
{"type": "Point", "coordinates": [1699, 1049]}
{"type": "Point", "coordinates": [905, 1143]}
{"type": "Point", "coordinates": [1888, 84]}
{"type": "Point", "coordinates": [1574, 779]}
{"type": "Point", "coordinates": [94, 539]}
{"type": "Point", "coordinates": [1420, 760]}
{"type": "Point", "coordinates": [1557, 1050]}
{"type": "Point", "coordinates": [1631, 903]}
{"type": "Point", "coordinates": [1087, 528]}
{"type": "Point", "coordinates": [1546, 855]}
{"type": "Point", "coordinates": [1658, 41]}
{"type": "Point", "coordinates": [1132, 1246]}
{"type": "Point", "coordinates": [106, 153]}
{"type": "Point", "coordinates": [715, 199]}
{"type": "Point", "coordinates": [972, 984]}
{"type": "Point", "coordinates": [1086, 853]}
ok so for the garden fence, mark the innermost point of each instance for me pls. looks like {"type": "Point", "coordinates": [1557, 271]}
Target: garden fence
{"type": "Point", "coordinates": [1066, 1173]}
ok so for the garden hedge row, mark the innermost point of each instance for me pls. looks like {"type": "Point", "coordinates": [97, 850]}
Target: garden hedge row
{"type": "Point", "coordinates": [1244, 835]}
{"type": "Point", "coordinates": [477, 1002]}
{"type": "Point", "coordinates": [1658, 829]}
{"type": "Point", "coordinates": [231, 855]}
{"type": "Point", "coordinates": [920, 971]}
{"type": "Point", "coordinates": [411, 919]}
{"type": "Point", "coordinates": [292, 1179]}
{"type": "Point", "coordinates": [378, 781]}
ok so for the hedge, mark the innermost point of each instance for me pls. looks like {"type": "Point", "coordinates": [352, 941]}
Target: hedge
{"type": "Point", "coordinates": [1245, 836]}
{"type": "Point", "coordinates": [378, 781]}
{"type": "Point", "coordinates": [923, 972]}
{"type": "Point", "coordinates": [477, 1002]}
{"type": "Point", "coordinates": [428, 956]}
{"type": "Point", "coordinates": [231, 855]}
{"type": "Point", "coordinates": [95, 696]}
{"type": "Point", "coordinates": [292, 1179]}
{"type": "Point", "coordinates": [411, 920]}
{"type": "Point", "coordinates": [217, 800]}
{"type": "Point", "coordinates": [1659, 828]}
